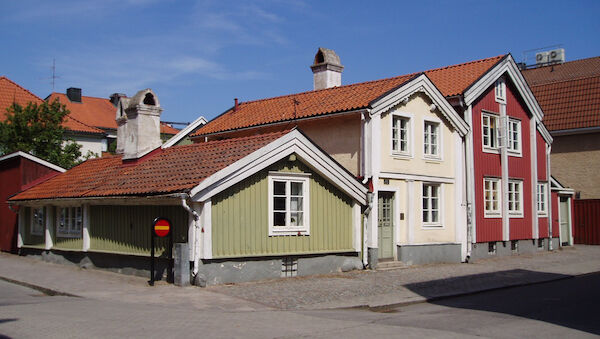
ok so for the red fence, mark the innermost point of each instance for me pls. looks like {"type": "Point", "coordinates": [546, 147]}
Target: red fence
{"type": "Point", "coordinates": [587, 221]}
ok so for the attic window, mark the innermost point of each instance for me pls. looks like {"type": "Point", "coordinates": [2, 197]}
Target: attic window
{"type": "Point", "coordinates": [149, 99]}
{"type": "Point", "coordinates": [319, 58]}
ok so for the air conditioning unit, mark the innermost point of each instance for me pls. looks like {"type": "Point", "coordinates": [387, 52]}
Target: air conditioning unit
{"type": "Point", "coordinates": [556, 55]}
{"type": "Point", "coordinates": [542, 58]}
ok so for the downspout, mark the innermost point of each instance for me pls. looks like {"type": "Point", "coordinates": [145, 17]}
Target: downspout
{"type": "Point", "coordinates": [365, 223]}
{"type": "Point", "coordinates": [549, 200]}
{"type": "Point", "coordinates": [196, 217]}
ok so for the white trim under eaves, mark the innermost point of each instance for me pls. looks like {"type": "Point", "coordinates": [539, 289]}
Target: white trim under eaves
{"type": "Point", "coordinates": [555, 186]}
{"type": "Point", "coordinates": [544, 133]}
{"type": "Point", "coordinates": [184, 132]}
{"type": "Point", "coordinates": [421, 84]}
{"type": "Point", "coordinates": [292, 143]}
{"type": "Point", "coordinates": [509, 67]}
{"type": "Point", "coordinates": [34, 159]}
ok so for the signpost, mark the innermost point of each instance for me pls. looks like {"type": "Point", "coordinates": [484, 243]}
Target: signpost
{"type": "Point", "coordinates": [161, 227]}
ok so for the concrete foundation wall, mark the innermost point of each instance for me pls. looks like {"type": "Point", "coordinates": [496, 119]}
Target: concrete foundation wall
{"type": "Point", "coordinates": [214, 272]}
{"type": "Point", "coordinates": [429, 254]}
{"type": "Point", "coordinates": [504, 248]}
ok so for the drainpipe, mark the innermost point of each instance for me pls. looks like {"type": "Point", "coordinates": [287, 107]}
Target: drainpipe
{"type": "Point", "coordinates": [365, 223]}
{"type": "Point", "coordinates": [196, 217]}
{"type": "Point", "coordinates": [549, 200]}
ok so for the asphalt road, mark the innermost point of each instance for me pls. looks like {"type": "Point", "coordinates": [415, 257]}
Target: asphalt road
{"type": "Point", "coordinates": [565, 308]}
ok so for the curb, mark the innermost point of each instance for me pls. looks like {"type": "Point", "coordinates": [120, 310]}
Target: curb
{"type": "Point", "coordinates": [46, 291]}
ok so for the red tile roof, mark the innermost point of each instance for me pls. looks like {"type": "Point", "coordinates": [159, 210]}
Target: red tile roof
{"type": "Point", "coordinates": [11, 92]}
{"type": "Point", "coordinates": [97, 112]}
{"type": "Point", "coordinates": [568, 93]}
{"type": "Point", "coordinates": [175, 169]}
{"type": "Point", "coordinates": [450, 80]}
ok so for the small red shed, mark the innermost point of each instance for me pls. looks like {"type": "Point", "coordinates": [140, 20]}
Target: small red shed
{"type": "Point", "coordinates": [19, 171]}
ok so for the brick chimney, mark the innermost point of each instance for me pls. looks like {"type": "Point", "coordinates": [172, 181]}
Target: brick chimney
{"type": "Point", "coordinates": [327, 69]}
{"type": "Point", "coordinates": [138, 124]}
{"type": "Point", "coordinates": [74, 94]}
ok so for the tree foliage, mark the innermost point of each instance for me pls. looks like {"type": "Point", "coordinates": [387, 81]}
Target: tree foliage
{"type": "Point", "coordinates": [37, 129]}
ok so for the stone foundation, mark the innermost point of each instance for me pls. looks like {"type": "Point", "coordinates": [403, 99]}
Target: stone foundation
{"type": "Point", "coordinates": [429, 254]}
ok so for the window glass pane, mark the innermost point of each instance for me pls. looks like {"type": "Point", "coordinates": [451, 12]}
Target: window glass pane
{"type": "Point", "coordinates": [63, 219]}
{"type": "Point", "coordinates": [296, 218]}
{"type": "Point", "coordinates": [279, 204]}
{"type": "Point", "coordinates": [279, 187]}
{"type": "Point", "coordinates": [79, 219]}
{"type": "Point", "coordinates": [279, 219]}
{"type": "Point", "coordinates": [434, 216]}
{"type": "Point", "coordinates": [296, 188]}
{"type": "Point", "coordinates": [425, 216]}
{"type": "Point", "coordinates": [434, 203]}
{"type": "Point", "coordinates": [296, 204]}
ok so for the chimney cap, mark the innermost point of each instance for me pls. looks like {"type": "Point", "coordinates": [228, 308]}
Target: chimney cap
{"type": "Point", "coordinates": [327, 56]}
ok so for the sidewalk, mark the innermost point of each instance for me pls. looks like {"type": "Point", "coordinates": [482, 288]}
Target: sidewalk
{"type": "Point", "coordinates": [376, 290]}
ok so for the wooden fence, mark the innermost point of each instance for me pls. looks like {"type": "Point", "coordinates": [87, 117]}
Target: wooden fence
{"type": "Point", "coordinates": [587, 221]}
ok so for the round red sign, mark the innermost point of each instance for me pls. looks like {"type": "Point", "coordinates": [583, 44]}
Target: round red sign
{"type": "Point", "coordinates": [162, 227]}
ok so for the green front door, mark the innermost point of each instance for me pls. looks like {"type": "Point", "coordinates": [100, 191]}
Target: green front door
{"type": "Point", "coordinates": [385, 226]}
{"type": "Point", "coordinates": [565, 221]}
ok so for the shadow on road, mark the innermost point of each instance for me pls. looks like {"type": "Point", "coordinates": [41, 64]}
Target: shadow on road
{"type": "Point", "coordinates": [567, 301]}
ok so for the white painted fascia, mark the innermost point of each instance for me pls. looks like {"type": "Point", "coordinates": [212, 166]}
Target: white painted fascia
{"type": "Point", "coordinates": [34, 159]}
{"type": "Point", "coordinates": [555, 186]}
{"type": "Point", "coordinates": [293, 142]}
{"type": "Point", "coordinates": [421, 84]}
{"type": "Point", "coordinates": [544, 133]}
{"type": "Point", "coordinates": [508, 66]}
{"type": "Point", "coordinates": [184, 132]}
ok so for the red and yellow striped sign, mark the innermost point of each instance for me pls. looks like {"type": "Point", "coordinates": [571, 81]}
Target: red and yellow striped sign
{"type": "Point", "coordinates": [162, 227]}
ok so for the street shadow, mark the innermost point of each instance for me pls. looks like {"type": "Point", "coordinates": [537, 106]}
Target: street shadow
{"type": "Point", "coordinates": [8, 320]}
{"type": "Point", "coordinates": [565, 300]}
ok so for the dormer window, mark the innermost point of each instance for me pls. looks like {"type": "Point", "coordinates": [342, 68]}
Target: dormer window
{"type": "Point", "coordinates": [500, 90]}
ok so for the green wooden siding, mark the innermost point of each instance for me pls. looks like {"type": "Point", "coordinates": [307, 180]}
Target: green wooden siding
{"type": "Point", "coordinates": [69, 244]}
{"type": "Point", "coordinates": [240, 219]}
{"type": "Point", "coordinates": [28, 238]}
{"type": "Point", "coordinates": [126, 229]}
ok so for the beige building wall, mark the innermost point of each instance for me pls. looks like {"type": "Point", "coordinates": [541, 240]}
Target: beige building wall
{"type": "Point", "coordinates": [575, 163]}
{"type": "Point", "coordinates": [408, 216]}
{"type": "Point", "coordinates": [417, 110]}
{"type": "Point", "coordinates": [338, 135]}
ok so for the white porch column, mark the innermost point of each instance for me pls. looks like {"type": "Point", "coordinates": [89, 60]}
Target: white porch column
{"type": "Point", "coordinates": [86, 227]}
{"type": "Point", "coordinates": [20, 226]}
{"type": "Point", "coordinates": [206, 226]}
{"type": "Point", "coordinates": [49, 229]}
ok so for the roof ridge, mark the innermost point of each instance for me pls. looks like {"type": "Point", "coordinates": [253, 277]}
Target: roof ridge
{"type": "Point", "coordinates": [566, 80]}
{"type": "Point", "coordinates": [566, 62]}
{"type": "Point", "coordinates": [465, 63]}
{"type": "Point", "coordinates": [21, 87]}
{"type": "Point", "coordinates": [370, 81]}
{"type": "Point", "coordinates": [83, 123]}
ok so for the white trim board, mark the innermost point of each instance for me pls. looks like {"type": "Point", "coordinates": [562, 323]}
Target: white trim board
{"type": "Point", "coordinates": [34, 159]}
{"type": "Point", "coordinates": [184, 132]}
{"type": "Point", "coordinates": [292, 143]}
{"type": "Point", "coordinates": [421, 84]}
{"type": "Point", "coordinates": [427, 178]}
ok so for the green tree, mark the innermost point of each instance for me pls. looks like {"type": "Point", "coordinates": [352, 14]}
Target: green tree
{"type": "Point", "coordinates": [37, 129]}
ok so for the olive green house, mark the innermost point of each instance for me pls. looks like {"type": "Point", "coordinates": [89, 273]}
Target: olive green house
{"type": "Point", "coordinates": [248, 208]}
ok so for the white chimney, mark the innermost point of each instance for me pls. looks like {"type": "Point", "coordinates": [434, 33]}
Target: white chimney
{"type": "Point", "coordinates": [138, 124]}
{"type": "Point", "coordinates": [327, 69]}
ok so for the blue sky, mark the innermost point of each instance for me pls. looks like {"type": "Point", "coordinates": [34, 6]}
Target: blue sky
{"type": "Point", "coordinates": [199, 55]}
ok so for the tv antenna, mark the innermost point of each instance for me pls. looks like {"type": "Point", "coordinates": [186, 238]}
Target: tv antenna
{"type": "Point", "coordinates": [54, 76]}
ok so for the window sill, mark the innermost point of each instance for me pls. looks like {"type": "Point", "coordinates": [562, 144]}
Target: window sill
{"type": "Point", "coordinates": [433, 159]}
{"type": "Point", "coordinates": [492, 216]}
{"type": "Point", "coordinates": [288, 232]}
{"type": "Point", "coordinates": [491, 150]}
{"type": "Point", "coordinates": [516, 215]}
{"type": "Point", "coordinates": [515, 154]}
{"type": "Point", "coordinates": [542, 215]}
{"type": "Point", "coordinates": [402, 156]}
{"type": "Point", "coordinates": [432, 226]}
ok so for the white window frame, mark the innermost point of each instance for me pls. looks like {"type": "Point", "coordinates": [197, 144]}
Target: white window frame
{"type": "Point", "coordinates": [500, 90]}
{"type": "Point", "coordinates": [425, 194]}
{"type": "Point", "coordinates": [492, 213]}
{"type": "Point", "coordinates": [542, 198]}
{"type": "Point", "coordinates": [70, 229]}
{"type": "Point", "coordinates": [409, 141]}
{"type": "Point", "coordinates": [492, 137]}
{"type": "Point", "coordinates": [512, 123]}
{"type": "Point", "coordinates": [288, 178]}
{"type": "Point", "coordinates": [437, 124]}
{"type": "Point", "coordinates": [515, 189]}
{"type": "Point", "coordinates": [34, 221]}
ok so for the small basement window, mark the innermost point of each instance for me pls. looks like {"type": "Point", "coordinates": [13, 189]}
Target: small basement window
{"type": "Point", "coordinates": [289, 267]}
{"type": "Point", "coordinates": [514, 246]}
{"type": "Point", "coordinates": [492, 247]}
{"type": "Point", "coordinates": [541, 244]}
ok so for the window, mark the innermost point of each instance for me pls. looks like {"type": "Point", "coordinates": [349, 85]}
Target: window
{"type": "Point", "coordinates": [37, 221]}
{"type": "Point", "coordinates": [514, 135]}
{"type": "Point", "coordinates": [542, 202]}
{"type": "Point", "coordinates": [431, 205]}
{"type": "Point", "coordinates": [289, 267]}
{"type": "Point", "coordinates": [70, 222]}
{"type": "Point", "coordinates": [490, 131]}
{"type": "Point", "coordinates": [491, 248]}
{"type": "Point", "coordinates": [491, 197]}
{"type": "Point", "coordinates": [431, 139]}
{"type": "Point", "coordinates": [288, 204]}
{"type": "Point", "coordinates": [514, 246]}
{"type": "Point", "coordinates": [500, 90]}
{"type": "Point", "coordinates": [400, 136]}
{"type": "Point", "coordinates": [515, 197]}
